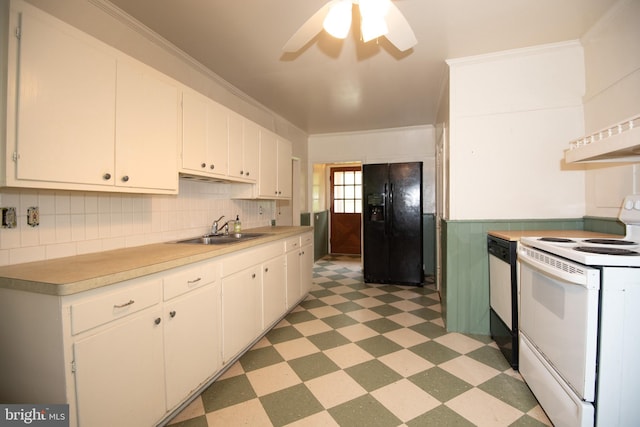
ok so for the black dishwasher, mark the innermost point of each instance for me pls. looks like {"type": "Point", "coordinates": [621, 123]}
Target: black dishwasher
{"type": "Point", "coordinates": [503, 296]}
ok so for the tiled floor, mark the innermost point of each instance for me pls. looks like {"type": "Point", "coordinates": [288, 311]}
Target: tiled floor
{"type": "Point", "coordinates": [356, 354]}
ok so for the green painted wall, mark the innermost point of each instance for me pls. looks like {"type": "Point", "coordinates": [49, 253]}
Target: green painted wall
{"type": "Point", "coordinates": [320, 234]}
{"type": "Point", "coordinates": [465, 274]}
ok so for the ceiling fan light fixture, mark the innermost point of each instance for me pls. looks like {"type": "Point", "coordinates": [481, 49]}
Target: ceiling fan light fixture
{"type": "Point", "coordinates": [373, 23]}
{"type": "Point", "coordinates": [338, 19]}
{"type": "Point", "coordinates": [373, 27]}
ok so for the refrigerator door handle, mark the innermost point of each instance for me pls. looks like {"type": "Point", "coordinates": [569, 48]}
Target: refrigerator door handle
{"type": "Point", "coordinates": [390, 208]}
{"type": "Point", "coordinates": [387, 198]}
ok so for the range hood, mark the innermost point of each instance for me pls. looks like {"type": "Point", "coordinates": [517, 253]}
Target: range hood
{"type": "Point", "coordinates": [617, 143]}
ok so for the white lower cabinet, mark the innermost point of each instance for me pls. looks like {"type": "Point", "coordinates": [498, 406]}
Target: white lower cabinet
{"type": "Point", "coordinates": [306, 263]}
{"type": "Point", "coordinates": [299, 267]}
{"type": "Point", "coordinates": [131, 353]}
{"type": "Point", "coordinates": [274, 290]}
{"type": "Point", "coordinates": [119, 373]}
{"type": "Point", "coordinates": [191, 342]}
{"type": "Point", "coordinates": [241, 311]}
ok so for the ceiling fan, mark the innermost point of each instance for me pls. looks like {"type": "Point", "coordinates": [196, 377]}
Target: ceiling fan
{"type": "Point", "coordinates": [378, 18]}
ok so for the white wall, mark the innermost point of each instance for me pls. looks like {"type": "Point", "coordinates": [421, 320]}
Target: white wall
{"type": "Point", "coordinates": [612, 58]}
{"type": "Point", "coordinates": [410, 144]}
{"type": "Point", "coordinates": [512, 115]}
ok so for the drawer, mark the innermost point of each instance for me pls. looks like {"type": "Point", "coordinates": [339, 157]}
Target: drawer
{"type": "Point", "coordinates": [306, 239]}
{"type": "Point", "coordinates": [251, 257]}
{"type": "Point", "coordinates": [105, 308]}
{"type": "Point", "coordinates": [185, 279]}
{"type": "Point", "coordinates": [292, 243]}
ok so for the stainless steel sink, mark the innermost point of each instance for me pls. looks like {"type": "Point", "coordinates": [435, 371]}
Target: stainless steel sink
{"type": "Point", "coordinates": [221, 239]}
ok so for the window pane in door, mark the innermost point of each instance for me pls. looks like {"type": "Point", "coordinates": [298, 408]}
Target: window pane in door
{"type": "Point", "coordinates": [348, 178]}
{"type": "Point", "coordinates": [349, 192]}
{"type": "Point", "coordinates": [338, 206]}
{"type": "Point", "coordinates": [349, 206]}
{"type": "Point", "coordinates": [338, 178]}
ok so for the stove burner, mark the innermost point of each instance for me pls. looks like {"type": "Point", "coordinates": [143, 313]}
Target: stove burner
{"type": "Point", "coordinates": [610, 242]}
{"type": "Point", "coordinates": [606, 251]}
{"type": "Point", "coordinates": [555, 240]}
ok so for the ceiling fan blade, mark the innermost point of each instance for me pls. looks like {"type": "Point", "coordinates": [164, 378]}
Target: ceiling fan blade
{"type": "Point", "coordinates": [400, 33]}
{"type": "Point", "coordinates": [308, 30]}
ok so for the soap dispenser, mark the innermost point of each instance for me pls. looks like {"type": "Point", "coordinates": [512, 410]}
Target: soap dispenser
{"type": "Point", "coordinates": [237, 227]}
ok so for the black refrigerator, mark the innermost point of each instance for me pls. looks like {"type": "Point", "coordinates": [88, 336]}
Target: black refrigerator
{"type": "Point", "coordinates": [392, 223]}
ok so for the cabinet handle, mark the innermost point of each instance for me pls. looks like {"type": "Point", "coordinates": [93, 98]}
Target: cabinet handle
{"type": "Point", "coordinates": [172, 313]}
{"type": "Point", "coordinates": [241, 172]}
{"type": "Point", "coordinates": [212, 166]}
{"type": "Point", "coordinates": [125, 178]}
{"type": "Point", "coordinates": [247, 173]}
{"type": "Point", "coordinates": [266, 270]}
{"type": "Point", "coordinates": [157, 321]}
{"type": "Point", "coordinates": [203, 165]}
{"type": "Point", "coordinates": [106, 176]}
{"type": "Point", "coordinates": [253, 276]}
{"type": "Point", "coordinates": [123, 305]}
{"type": "Point", "coordinates": [191, 282]}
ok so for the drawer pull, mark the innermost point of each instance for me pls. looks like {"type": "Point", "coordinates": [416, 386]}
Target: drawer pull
{"type": "Point", "coordinates": [157, 321]}
{"type": "Point", "coordinates": [191, 282]}
{"type": "Point", "coordinates": [172, 313]}
{"type": "Point", "coordinates": [123, 305]}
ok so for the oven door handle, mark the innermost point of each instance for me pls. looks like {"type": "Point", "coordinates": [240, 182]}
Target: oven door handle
{"type": "Point", "coordinates": [570, 273]}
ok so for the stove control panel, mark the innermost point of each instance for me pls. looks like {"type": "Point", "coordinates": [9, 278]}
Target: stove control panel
{"type": "Point", "coordinates": [630, 212]}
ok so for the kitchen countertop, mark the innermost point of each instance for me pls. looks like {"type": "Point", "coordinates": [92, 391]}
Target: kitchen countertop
{"type": "Point", "coordinates": [515, 235]}
{"type": "Point", "coordinates": [70, 275]}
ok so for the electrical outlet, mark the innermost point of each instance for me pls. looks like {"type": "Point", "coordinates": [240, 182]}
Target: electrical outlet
{"type": "Point", "coordinates": [9, 219]}
{"type": "Point", "coordinates": [33, 216]}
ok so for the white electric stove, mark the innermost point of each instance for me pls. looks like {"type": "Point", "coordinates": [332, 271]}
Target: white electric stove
{"type": "Point", "coordinates": [579, 336]}
{"type": "Point", "coordinates": [624, 251]}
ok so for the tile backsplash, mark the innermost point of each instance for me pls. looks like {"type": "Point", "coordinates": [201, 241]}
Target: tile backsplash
{"type": "Point", "coordinates": [74, 223]}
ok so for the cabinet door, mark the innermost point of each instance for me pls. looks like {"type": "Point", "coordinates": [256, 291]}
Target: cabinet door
{"type": "Point", "coordinates": [65, 105]}
{"type": "Point", "coordinates": [194, 132]}
{"type": "Point", "coordinates": [217, 138]}
{"type": "Point", "coordinates": [293, 277]}
{"type": "Point", "coordinates": [146, 129]}
{"type": "Point", "coordinates": [284, 169]}
{"type": "Point", "coordinates": [192, 341]}
{"type": "Point", "coordinates": [236, 146]}
{"type": "Point", "coordinates": [306, 269]}
{"type": "Point", "coordinates": [204, 135]}
{"type": "Point", "coordinates": [274, 290]}
{"type": "Point", "coordinates": [268, 185]}
{"type": "Point", "coordinates": [251, 149]}
{"type": "Point", "coordinates": [241, 311]}
{"type": "Point", "coordinates": [120, 373]}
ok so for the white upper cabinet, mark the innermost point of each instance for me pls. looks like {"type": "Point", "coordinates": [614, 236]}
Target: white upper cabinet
{"type": "Point", "coordinates": [244, 140]}
{"type": "Point", "coordinates": [275, 167]}
{"type": "Point", "coordinates": [146, 129]}
{"type": "Point", "coordinates": [65, 116]}
{"type": "Point", "coordinates": [83, 116]}
{"type": "Point", "coordinates": [205, 130]}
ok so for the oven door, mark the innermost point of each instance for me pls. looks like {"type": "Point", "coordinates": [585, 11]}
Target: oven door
{"type": "Point", "coordinates": [559, 316]}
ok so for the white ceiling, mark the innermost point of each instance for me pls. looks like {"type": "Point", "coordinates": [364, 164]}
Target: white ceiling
{"type": "Point", "coordinates": [335, 86]}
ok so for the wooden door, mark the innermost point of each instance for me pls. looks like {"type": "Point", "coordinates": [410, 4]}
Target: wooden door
{"type": "Point", "coordinates": [346, 209]}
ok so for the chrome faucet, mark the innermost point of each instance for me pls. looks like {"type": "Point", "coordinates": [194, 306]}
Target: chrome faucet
{"type": "Point", "coordinates": [214, 226]}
